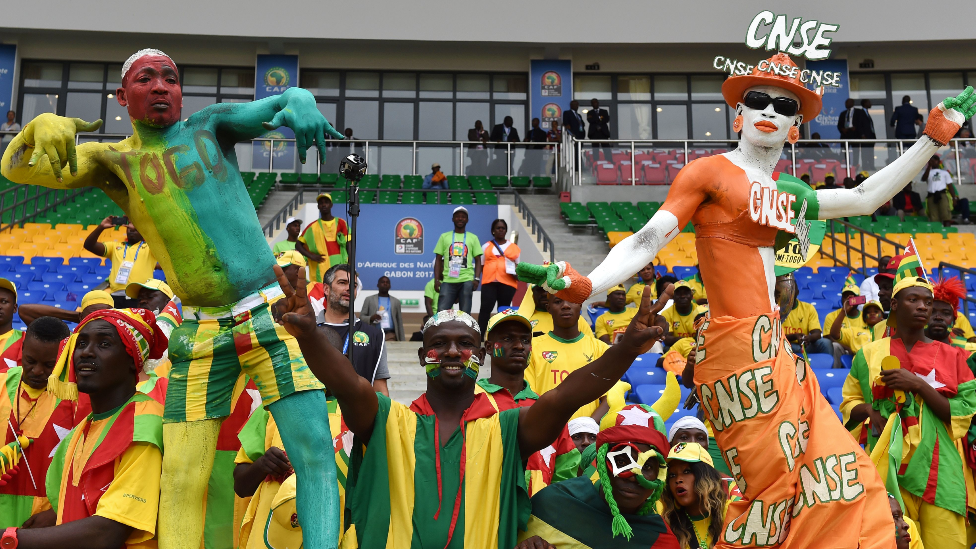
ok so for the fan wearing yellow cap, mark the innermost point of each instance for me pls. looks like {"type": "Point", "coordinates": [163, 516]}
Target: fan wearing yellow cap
{"type": "Point", "coordinates": [94, 300]}
{"type": "Point", "coordinates": [613, 323]}
{"type": "Point", "coordinates": [696, 496]}
{"type": "Point", "coordinates": [324, 240]}
{"type": "Point", "coordinates": [150, 294]}
{"type": "Point", "coordinates": [535, 307]}
{"type": "Point", "coordinates": [698, 285]}
{"type": "Point", "coordinates": [681, 315]}
{"type": "Point", "coordinates": [928, 386]}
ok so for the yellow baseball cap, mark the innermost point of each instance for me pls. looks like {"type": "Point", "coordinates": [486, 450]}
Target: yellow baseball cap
{"type": "Point", "coordinates": [690, 452]}
{"type": "Point", "coordinates": [283, 530]}
{"type": "Point", "coordinates": [684, 284]}
{"type": "Point", "coordinates": [291, 257]}
{"type": "Point", "coordinates": [852, 289]}
{"type": "Point", "coordinates": [323, 195]}
{"type": "Point", "coordinates": [510, 314]}
{"type": "Point", "coordinates": [132, 290]}
{"type": "Point", "coordinates": [97, 297]}
{"type": "Point", "coordinates": [617, 288]}
{"type": "Point", "coordinates": [9, 285]}
{"type": "Point", "coordinates": [875, 303]}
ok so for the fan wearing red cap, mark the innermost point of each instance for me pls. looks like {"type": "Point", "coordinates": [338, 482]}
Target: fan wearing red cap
{"type": "Point", "coordinates": [105, 476]}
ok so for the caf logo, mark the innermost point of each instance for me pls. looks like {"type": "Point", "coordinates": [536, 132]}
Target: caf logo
{"type": "Point", "coordinates": [276, 76]}
{"type": "Point", "coordinates": [279, 146]}
{"type": "Point", "coordinates": [360, 338]}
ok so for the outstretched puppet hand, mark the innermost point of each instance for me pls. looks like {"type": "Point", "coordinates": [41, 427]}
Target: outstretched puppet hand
{"type": "Point", "coordinates": [643, 330]}
{"type": "Point", "coordinates": [294, 311]}
{"type": "Point", "coordinates": [948, 116]}
{"type": "Point", "coordinates": [303, 117]}
{"type": "Point", "coordinates": [556, 278]}
{"type": "Point", "coordinates": [53, 136]}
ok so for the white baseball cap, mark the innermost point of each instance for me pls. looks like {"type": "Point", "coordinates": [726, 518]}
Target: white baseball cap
{"type": "Point", "coordinates": [459, 209]}
{"type": "Point", "coordinates": [291, 220]}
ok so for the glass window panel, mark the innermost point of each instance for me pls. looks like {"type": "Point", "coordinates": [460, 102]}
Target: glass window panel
{"type": "Point", "coordinates": [634, 121]}
{"type": "Point", "coordinates": [42, 75]}
{"type": "Point", "coordinates": [435, 122]}
{"type": "Point", "coordinates": [321, 83]}
{"type": "Point", "coordinates": [194, 103]}
{"type": "Point", "coordinates": [467, 114]}
{"type": "Point", "coordinates": [328, 110]}
{"type": "Point", "coordinates": [472, 86]}
{"type": "Point", "coordinates": [512, 86]}
{"type": "Point", "coordinates": [634, 88]}
{"type": "Point", "coordinates": [868, 86]}
{"type": "Point", "coordinates": [86, 76]}
{"type": "Point", "coordinates": [708, 121]}
{"type": "Point", "coordinates": [86, 106]}
{"type": "Point", "coordinates": [670, 88]}
{"type": "Point", "coordinates": [945, 84]}
{"type": "Point", "coordinates": [436, 86]}
{"type": "Point", "coordinates": [38, 103]}
{"type": "Point", "coordinates": [912, 85]}
{"type": "Point", "coordinates": [517, 112]}
{"type": "Point", "coordinates": [364, 118]}
{"type": "Point", "coordinates": [363, 84]}
{"type": "Point", "coordinates": [672, 122]}
{"type": "Point", "coordinates": [116, 118]}
{"type": "Point", "coordinates": [197, 80]}
{"type": "Point", "coordinates": [398, 121]}
{"type": "Point", "coordinates": [399, 84]}
{"type": "Point", "coordinates": [114, 77]}
{"type": "Point", "coordinates": [706, 88]}
{"type": "Point", "coordinates": [237, 81]}
{"type": "Point", "coordinates": [586, 87]}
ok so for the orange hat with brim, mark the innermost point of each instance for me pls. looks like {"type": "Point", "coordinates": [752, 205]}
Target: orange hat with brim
{"type": "Point", "coordinates": [734, 88]}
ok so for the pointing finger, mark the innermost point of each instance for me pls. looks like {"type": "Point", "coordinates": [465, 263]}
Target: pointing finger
{"type": "Point", "coordinates": [320, 143]}
{"type": "Point", "coordinates": [36, 157]}
{"type": "Point", "coordinates": [82, 126]}
{"type": "Point", "coordinates": [332, 131]}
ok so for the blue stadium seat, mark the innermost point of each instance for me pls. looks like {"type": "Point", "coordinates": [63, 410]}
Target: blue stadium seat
{"type": "Point", "coordinates": [103, 271]}
{"type": "Point", "coordinates": [12, 259]}
{"type": "Point", "coordinates": [831, 378]}
{"type": "Point", "coordinates": [92, 278]}
{"type": "Point", "coordinates": [67, 295]}
{"type": "Point", "coordinates": [65, 278]}
{"type": "Point", "coordinates": [31, 296]}
{"type": "Point", "coordinates": [5, 267]}
{"type": "Point", "coordinates": [594, 313]}
{"type": "Point", "coordinates": [77, 269]}
{"type": "Point", "coordinates": [804, 271]}
{"type": "Point", "coordinates": [645, 374]}
{"type": "Point", "coordinates": [871, 272]}
{"type": "Point", "coordinates": [90, 261]}
{"type": "Point", "coordinates": [50, 261]}
{"type": "Point", "coordinates": [833, 273]}
{"type": "Point", "coordinates": [158, 274]}
{"type": "Point", "coordinates": [847, 360]}
{"type": "Point", "coordinates": [20, 279]}
{"type": "Point", "coordinates": [835, 395]}
{"type": "Point", "coordinates": [48, 287]}
{"type": "Point", "coordinates": [648, 394]}
{"type": "Point", "coordinates": [81, 288]}
{"type": "Point", "coordinates": [806, 295]}
{"type": "Point", "coordinates": [31, 268]}
{"type": "Point", "coordinates": [660, 270]}
{"type": "Point", "coordinates": [820, 361]}
{"type": "Point", "coordinates": [66, 305]}
{"type": "Point", "coordinates": [837, 411]}
{"type": "Point", "coordinates": [684, 272]}
{"type": "Point", "coordinates": [646, 360]}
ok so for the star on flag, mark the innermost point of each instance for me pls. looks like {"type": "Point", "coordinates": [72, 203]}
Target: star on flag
{"type": "Point", "coordinates": [61, 432]}
{"type": "Point", "coordinates": [547, 453]}
{"type": "Point", "coordinates": [930, 379]}
{"type": "Point", "coordinates": [636, 416]}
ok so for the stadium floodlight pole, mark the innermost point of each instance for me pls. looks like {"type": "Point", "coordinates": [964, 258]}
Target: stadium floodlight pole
{"type": "Point", "coordinates": [353, 168]}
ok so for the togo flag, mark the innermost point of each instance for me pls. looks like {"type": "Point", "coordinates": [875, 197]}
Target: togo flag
{"type": "Point", "coordinates": [576, 506]}
{"type": "Point", "coordinates": [887, 456]}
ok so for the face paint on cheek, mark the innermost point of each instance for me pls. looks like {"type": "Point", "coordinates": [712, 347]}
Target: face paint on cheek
{"type": "Point", "coordinates": [432, 363]}
{"type": "Point", "coordinates": [497, 350]}
{"type": "Point", "coordinates": [472, 364]}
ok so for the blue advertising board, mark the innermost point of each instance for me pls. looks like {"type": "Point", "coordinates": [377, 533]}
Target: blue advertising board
{"type": "Point", "coordinates": [398, 241]}
{"type": "Point", "coordinates": [833, 99]}
{"type": "Point", "coordinates": [550, 90]}
{"type": "Point", "coordinates": [273, 74]}
{"type": "Point", "coordinates": [8, 58]}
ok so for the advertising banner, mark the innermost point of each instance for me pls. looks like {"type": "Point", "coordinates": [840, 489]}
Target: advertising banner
{"type": "Point", "coordinates": [833, 99]}
{"type": "Point", "coordinates": [8, 57]}
{"type": "Point", "coordinates": [273, 74]}
{"type": "Point", "coordinates": [550, 90]}
{"type": "Point", "coordinates": [398, 241]}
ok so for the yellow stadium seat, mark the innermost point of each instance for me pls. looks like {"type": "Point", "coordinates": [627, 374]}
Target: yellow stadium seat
{"type": "Point", "coordinates": [69, 227]}
{"type": "Point", "coordinates": [616, 236]}
{"type": "Point", "coordinates": [37, 226]}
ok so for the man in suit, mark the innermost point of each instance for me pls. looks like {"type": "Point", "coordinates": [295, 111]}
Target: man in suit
{"type": "Point", "coordinates": [502, 133]}
{"type": "Point", "coordinates": [865, 129]}
{"type": "Point", "coordinates": [534, 163]}
{"type": "Point", "coordinates": [853, 123]}
{"type": "Point", "coordinates": [573, 122]}
{"type": "Point", "coordinates": [383, 311]}
{"type": "Point", "coordinates": [478, 153]}
{"type": "Point", "coordinates": [903, 119]}
{"type": "Point", "coordinates": [599, 122]}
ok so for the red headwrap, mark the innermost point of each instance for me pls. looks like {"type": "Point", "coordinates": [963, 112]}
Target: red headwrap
{"type": "Point", "coordinates": [635, 423]}
{"type": "Point", "coordinates": [949, 290]}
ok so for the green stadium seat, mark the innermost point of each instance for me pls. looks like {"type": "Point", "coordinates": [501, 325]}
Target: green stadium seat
{"type": "Point", "coordinates": [412, 198]}
{"type": "Point", "coordinates": [390, 182]}
{"type": "Point", "coordinates": [367, 197]}
{"type": "Point", "coordinates": [413, 182]}
{"type": "Point", "coordinates": [462, 198]}
{"type": "Point", "coordinates": [499, 181]}
{"type": "Point", "coordinates": [289, 178]}
{"type": "Point", "coordinates": [480, 183]}
{"type": "Point", "coordinates": [328, 179]}
{"type": "Point", "coordinates": [308, 179]}
{"type": "Point", "coordinates": [457, 182]}
{"type": "Point", "coordinates": [388, 197]}
{"type": "Point", "coordinates": [371, 184]}
{"type": "Point", "coordinates": [339, 197]}
{"type": "Point", "coordinates": [521, 182]}
{"type": "Point", "coordinates": [486, 199]}
{"type": "Point", "coordinates": [371, 177]}
{"type": "Point", "coordinates": [542, 182]}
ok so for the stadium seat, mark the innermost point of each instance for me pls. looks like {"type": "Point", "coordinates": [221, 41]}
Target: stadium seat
{"type": "Point", "coordinates": [542, 182]}
{"type": "Point", "coordinates": [645, 374]}
{"type": "Point", "coordinates": [30, 296]}
{"type": "Point", "coordinates": [646, 360]}
{"type": "Point", "coordinates": [821, 361]}
{"type": "Point", "coordinates": [835, 395]}
{"type": "Point", "coordinates": [831, 378]}
{"type": "Point", "coordinates": [90, 261]}
{"type": "Point", "coordinates": [64, 278]}
{"type": "Point", "coordinates": [847, 360]}
{"type": "Point", "coordinates": [649, 394]}
{"type": "Point", "coordinates": [606, 174]}
{"type": "Point", "coordinates": [92, 278]}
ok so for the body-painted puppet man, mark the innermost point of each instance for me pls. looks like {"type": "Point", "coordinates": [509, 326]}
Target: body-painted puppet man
{"type": "Point", "coordinates": [778, 434]}
{"type": "Point", "coordinates": [178, 181]}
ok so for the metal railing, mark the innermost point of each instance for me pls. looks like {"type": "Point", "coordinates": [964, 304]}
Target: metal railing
{"type": "Point", "coordinates": [963, 271]}
{"type": "Point", "coordinates": [36, 200]}
{"type": "Point", "coordinates": [858, 250]}
{"type": "Point", "coordinates": [841, 157]}
{"type": "Point", "coordinates": [275, 223]}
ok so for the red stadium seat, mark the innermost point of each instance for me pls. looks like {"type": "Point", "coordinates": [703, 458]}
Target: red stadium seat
{"type": "Point", "coordinates": [673, 170]}
{"type": "Point", "coordinates": [783, 166]}
{"type": "Point", "coordinates": [625, 172]}
{"type": "Point", "coordinates": [619, 156]}
{"type": "Point", "coordinates": [655, 174]}
{"type": "Point", "coordinates": [606, 174]}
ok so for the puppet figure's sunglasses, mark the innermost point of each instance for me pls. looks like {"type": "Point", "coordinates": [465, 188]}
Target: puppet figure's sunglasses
{"type": "Point", "coordinates": [782, 105]}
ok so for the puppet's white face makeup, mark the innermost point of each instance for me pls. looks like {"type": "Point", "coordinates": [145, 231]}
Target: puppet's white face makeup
{"type": "Point", "coordinates": [767, 128]}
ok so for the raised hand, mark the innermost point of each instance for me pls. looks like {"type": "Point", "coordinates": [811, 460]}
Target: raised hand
{"type": "Point", "coordinates": [294, 311]}
{"type": "Point", "coordinates": [964, 103]}
{"type": "Point", "coordinates": [948, 116]}
{"type": "Point", "coordinates": [303, 117]}
{"type": "Point", "coordinates": [53, 136]}
{"type": "Point", "coordinates": [557, 278]}
{"type": "Point", "coordinates": [643, 330]}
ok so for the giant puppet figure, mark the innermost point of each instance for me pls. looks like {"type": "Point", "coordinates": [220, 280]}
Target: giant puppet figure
{"type": "Point", "coordinates": [805, 480]}
{"type": "Point", "coordinates": [179, 182]}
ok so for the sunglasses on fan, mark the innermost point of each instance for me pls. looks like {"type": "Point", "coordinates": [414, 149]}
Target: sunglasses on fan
{"type": "Point", "coordinates": [782, 105]}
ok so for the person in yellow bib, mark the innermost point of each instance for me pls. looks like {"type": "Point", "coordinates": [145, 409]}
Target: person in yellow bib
{"type": "Point", "coordinates": [681, 315]}
{"type": "Point", "coordinates": [11, 341]}
{"type": "Point", "coordinates": [646, 279]}
{"type": "Point", "coordinates": [324, 240]}
{"type": "Point", "coordinates": [536, 309]}
{"type": "Point", "coordinates": [612, 324]}
{"type": "Point", "coordinates": [131, 260]}
{"type": "Point", "coordinates": [802, 329]}
{"type": "Point", "coordinates": [103, 483]}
